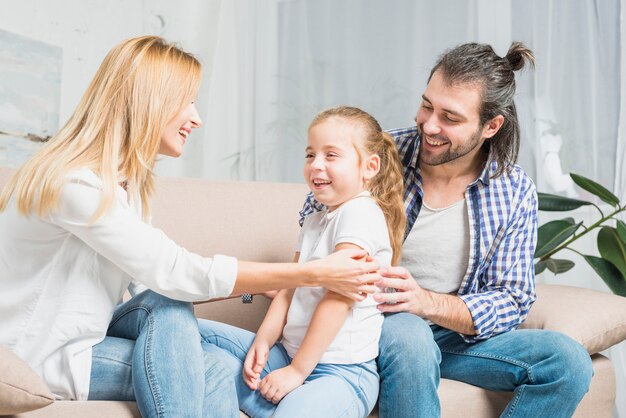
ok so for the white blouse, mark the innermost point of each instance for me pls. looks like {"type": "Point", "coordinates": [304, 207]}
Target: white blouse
{"type": "Point", "coordinates": [61, 278]}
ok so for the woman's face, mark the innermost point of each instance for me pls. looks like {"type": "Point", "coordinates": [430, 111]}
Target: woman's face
{"type": "Point", "coordinates": [178, 129]}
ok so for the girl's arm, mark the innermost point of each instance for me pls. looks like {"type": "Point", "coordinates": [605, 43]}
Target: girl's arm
{"type": "Point", "coordinates": [329, 316]}
{"type": "Point", "coordinates": [269, 332]}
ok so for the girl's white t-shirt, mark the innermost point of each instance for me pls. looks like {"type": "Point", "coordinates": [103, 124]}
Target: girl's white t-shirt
{"type": "Point", "coordinates": [361, 222]}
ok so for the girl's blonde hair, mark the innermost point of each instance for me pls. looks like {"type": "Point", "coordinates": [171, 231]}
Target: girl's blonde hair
{"type": "Point", "coordinates": [116, 129]}
{"type": "Point", "coordinates": [387, 187]}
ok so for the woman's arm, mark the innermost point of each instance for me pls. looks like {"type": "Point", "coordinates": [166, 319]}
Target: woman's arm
{"type": "Point", "coordinates": [340, 272]}
{"type": "Point", "coordinates": [329, 316]}
{"type": "Point", "coordinates": [147, 255]}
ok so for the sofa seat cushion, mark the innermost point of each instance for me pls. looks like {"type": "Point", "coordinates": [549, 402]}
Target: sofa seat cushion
{"type": "Point", "coordinates": [595, 319]}
{"type": "Point", "coordinates": [84, 409]}
{"type": "Point", "coordinates": [21, 389]}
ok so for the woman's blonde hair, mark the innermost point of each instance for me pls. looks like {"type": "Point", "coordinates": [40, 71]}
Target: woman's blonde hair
{"type": "Point", "coordinates": [116, 129]}
{"type": "Point", "coordinates": [386, 187]}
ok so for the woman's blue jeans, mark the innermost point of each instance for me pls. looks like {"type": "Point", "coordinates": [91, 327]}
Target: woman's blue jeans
{"type": "Point", "coordinates": [547, 371]}
{"type": "Point", "coordinates": [152, 355]}
{"type": "Point", "coordinates": [331, 390]}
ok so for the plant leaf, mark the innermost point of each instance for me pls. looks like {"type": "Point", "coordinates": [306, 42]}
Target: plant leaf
{"type": "Point", "coordinates": [559, 266]}
{"type": "Point", "coordinates": [621, 230]}
{"type": "Point", "coordinates": [612, 248]}
{"type": "Point", "coordinates": [553, 233]}
{"type": "Point", "coordinates": [596, 189]}
{"type": "Point", "coordinates": [540, 267]}
{"type": "Point", "coordinates": [553, 203]}
{"type": "Point", "coordinates": [609, 273]}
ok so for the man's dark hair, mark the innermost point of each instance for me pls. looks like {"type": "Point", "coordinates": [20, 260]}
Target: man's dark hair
{"type": "Point", "coordinates": [478, 64]}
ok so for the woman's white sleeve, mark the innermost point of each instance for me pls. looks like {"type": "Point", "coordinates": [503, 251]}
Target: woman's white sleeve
{"type": "Point", "coordinates": [145, 253]}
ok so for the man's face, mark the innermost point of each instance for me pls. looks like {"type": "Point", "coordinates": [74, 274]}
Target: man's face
{"type": "Point", "coordinates": [449, 123]}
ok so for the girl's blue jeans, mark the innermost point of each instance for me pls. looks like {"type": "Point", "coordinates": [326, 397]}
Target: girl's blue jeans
{"type": "Point", "coordinates": [152, 354]}
{"type": "Point", "coordinates": [332, 390]}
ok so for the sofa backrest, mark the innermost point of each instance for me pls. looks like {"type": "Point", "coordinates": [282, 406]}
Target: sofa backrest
{"type": "Point", "coordinates": [253, 221]}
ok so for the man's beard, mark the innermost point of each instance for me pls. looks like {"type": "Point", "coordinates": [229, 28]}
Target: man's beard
{"type": "Point", "coordinates": [452, 153]}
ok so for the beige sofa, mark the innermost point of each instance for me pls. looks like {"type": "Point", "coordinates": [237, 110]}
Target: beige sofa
{"type": "Point", "coordinates": [258, 221]}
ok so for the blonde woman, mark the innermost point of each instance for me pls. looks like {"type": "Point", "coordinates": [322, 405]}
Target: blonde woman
{"type": "Point", "coordinates": [74, 235]}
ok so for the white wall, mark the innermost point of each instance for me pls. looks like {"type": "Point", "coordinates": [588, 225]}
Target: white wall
{"type": "Point", "coordinates": [87, 29]}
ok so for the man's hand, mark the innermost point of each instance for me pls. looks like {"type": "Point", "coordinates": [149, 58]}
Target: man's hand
{"type": "Point", "coordinates": [280, 382]}
{"type": "Point", "coordinates": [408, 296]}
{"type": "Point", "coordinates": [254, 363]}
{"type": "Point", "coordinates": [448, 311]}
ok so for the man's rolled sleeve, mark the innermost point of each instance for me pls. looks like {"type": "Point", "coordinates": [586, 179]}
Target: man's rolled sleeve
{"type": "Point", "coordinates": [507, 284]}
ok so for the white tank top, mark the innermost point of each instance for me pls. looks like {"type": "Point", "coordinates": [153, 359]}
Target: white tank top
{"type": "Point", "coordinates": [436, 252]}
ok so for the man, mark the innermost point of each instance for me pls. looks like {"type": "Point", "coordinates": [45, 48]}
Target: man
{"type": "Point", "coordinates": [467, 276]}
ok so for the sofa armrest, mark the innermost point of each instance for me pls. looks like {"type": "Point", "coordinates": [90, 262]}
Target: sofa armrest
{"type": "Point", "coordinates": [595, 319]}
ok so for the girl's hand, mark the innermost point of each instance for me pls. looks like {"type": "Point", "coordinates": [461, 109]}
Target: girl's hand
{"type": "Point", "coordinates": [254, 363]}
{"type": "Point", "coordinates": [347, 272]}
{"type": "Point", "coordinates": [280, 382]}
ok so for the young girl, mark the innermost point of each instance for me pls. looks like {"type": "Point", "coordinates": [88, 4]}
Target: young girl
{"type": "Point", "coordinates": [325, 362]}
{"type": "Point", "coordinates": [74, 233]}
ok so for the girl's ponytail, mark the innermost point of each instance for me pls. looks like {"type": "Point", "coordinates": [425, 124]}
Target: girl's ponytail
{"type": "Point", "coordinates": [387, 187]}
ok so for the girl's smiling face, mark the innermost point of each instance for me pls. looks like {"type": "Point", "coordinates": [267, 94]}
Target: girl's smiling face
{"type": "Point", "coordinates": [334, 170]}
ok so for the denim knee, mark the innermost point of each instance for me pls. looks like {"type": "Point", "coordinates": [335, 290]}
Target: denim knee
{"type": "Point", "coordinates": [567, 363]}
{"type": "Point", "coordinates": [407, 343]}
{"type": "Point", "coordinates": [167, 310]}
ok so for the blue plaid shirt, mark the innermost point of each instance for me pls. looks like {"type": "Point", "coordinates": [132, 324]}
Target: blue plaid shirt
{"type": "Point", "coordinates": [499, 285]}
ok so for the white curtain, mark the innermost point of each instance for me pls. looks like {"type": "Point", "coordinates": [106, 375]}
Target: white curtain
{"type": "Point", "coordinates": [620, 162]}
{"type": "Point", "coordinates": [279, 62]}
{"type": "Point", "coordinates": [569, 106]}
{"type": "Point", "coordinates": [242, 90]}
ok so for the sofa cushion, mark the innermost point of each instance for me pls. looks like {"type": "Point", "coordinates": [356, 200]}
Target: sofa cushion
{"type": "Point", "coordinates": [21, 389]}
{"type": "Point", "coordinates": [595, 319]}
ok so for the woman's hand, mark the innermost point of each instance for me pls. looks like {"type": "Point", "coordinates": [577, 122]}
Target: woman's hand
{"type": "Point", "coordinates": [346, 273]}
{"type": "Point", "coordinates": [255, 361]}
{"type": "Point", "coordinates": [280, 382]}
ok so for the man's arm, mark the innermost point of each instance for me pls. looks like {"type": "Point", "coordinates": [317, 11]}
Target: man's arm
{"type": "Point", "coordinates": [506, 288]}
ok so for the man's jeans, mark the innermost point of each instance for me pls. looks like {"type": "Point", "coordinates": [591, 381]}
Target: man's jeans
{"type": "Point", "coordinates": [548, 372]}
{"type": "Point", "coordinates": [152, 354]}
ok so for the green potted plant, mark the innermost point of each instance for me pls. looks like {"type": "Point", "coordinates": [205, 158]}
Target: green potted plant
{"type": "Point", "coordinates": [554, 236]}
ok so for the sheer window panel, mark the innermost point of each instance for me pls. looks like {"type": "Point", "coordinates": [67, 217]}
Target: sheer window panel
{"type": "Point", "coordinates": [569, 105]}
